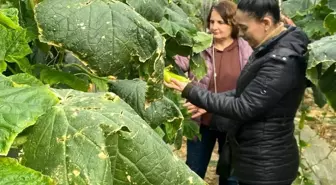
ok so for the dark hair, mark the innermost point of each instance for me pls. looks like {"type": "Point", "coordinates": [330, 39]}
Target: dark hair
{"type": "Point", "coordinates": [227, 10]}
{"type": "Point", "coordinates": [260, 8]}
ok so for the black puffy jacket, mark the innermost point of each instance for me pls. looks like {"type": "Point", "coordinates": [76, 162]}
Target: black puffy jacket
{"type": "Point", "coordinates": [263, 106]}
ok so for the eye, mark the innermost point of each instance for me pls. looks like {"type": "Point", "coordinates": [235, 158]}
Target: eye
{"type": "Point", "coordinates": [242, 27]}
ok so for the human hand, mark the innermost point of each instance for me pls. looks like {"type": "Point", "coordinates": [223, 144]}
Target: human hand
{"type": "Point", "coordinates": [287, 20]}
{"type": "Point", "coordinates": [175, 84]}
{"type": "Point", "coordinates": [196, 111]}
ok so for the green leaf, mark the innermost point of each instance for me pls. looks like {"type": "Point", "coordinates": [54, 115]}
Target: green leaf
{"type": "Point", "coordinates": [11, 172]}
{"type": "Point", "coordinates": [303, 144]}
{"type": "Point", "coordinates": [159, 131]}
{"type": "Point", "coordinates": [191, 129]}
{"type": "Point", "coordinates": [20, 107]}
{"type": "Point", "coordinates": [52, 76]}
{"type": "Point", "coordinates": [7, 22]}
{"type": "Point", "coordinates": [24, 65]}
{"type": "Point", "coordinates": [3, 66]}
{"type": "Point", "coordinates": [152, 10]}
{"type": "Point", "coordinates": [24, 78]}
{"type": "Point", "coordinates": [202, 41]}
{"type": "Point", "coordinates": [302, 120]}
{"type": "Point", "coordinates": [292, 7]}
{"type": "Point", "coordinates": [168, 18]}
{"type": "Point", "coordinates": [96, 138]}
{"type": "Point", "coordinates": [309, 118]}
{"type": "Point", "coordinates": [178, 139]}
{"type": "Point", "coordinates": [108, 35]}
{"type": "Point", "coordinates": [321, 67]}
{"type": "Point", "coordinates": [330, 22]}
{"type": "Point", "coordinates": [198, 66]}
{"type": "Point", "coordinates": [319, 97]}
{"type": "Point", "coordinates": [332, 4]}
{"type": "Point", "coordinates": [173, 48]}
{"type": "Point", "coordinates": [327, 84]}
{"type": "Point", "coordinates": [13, 43]}
{"type": "Point", "coordinates": [157, 113]}
{"type": "Point", "coordinates": [100, 83]}
{"type": "Point", "coordinates": [313, 28]}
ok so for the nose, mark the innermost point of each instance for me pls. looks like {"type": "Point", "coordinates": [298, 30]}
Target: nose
{"type": "Point", "coordinates": [213, 27]}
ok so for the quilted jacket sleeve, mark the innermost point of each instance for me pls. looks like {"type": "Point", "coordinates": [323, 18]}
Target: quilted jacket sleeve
{"type": "Point", "coordinates": [275, 78]}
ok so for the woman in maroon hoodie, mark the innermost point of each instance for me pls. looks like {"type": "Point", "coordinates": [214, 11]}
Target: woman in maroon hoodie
{"type": "Point", "coordinates": [225, 59]}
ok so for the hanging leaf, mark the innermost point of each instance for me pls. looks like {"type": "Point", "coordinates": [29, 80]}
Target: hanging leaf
{"type": "Point", "coordinates": [107, 35]}
{"type": "Point", "coordinates": [96, 138]}
{"type": "Point", "coordinates": [11, 172]}
{"type": "Point", "coordinates": [198, 66]}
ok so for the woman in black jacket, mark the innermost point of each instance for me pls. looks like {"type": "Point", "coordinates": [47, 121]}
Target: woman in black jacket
{"type": "Point", "coordinates": [268, 93]}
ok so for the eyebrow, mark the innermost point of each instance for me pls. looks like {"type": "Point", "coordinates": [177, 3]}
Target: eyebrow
{"type": "Point", "coordinates": [243, 25]}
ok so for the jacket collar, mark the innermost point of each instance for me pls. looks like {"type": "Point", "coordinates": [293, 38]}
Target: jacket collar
{"type": "Point", "coordinates": [272, 42]}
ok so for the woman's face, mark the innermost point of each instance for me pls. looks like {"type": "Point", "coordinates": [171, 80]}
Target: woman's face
{"type": "Point", "coordinates": [252, 30]}
{"type": "Point", "coordinates": [218, 28]}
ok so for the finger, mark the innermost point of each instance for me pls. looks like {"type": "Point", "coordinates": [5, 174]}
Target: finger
{"type": "Point", "coordinates": [179, 84]}
{"type": "Point", "coordinates": [198, 114]}
{"type": "Point", "coordinates": [193, 109]}
{"type": "Point", "coordinates": [169, 85]}
{"type": "Point", "coordinates": [188, 104]}
{"type": "Point", "coordinates": [175, 81]}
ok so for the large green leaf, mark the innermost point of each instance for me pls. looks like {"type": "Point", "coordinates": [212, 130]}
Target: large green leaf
{"type": "Point", "coordinates": [52, 76]}
{"type": "Point", "coordinates": [292, 7]}
{"type": "Point", "coordinates": [26, 15]}
{"type": "Point", "coordinates": [21, 105]}
{"type": "Point", "coordinates": [12, 173]}
{"type": "Point", "coordinates": [330, 22]}
{"type": "Point", "coordinates": [202, 41]}
{"type": "Point", "coordinates": [327, 84]}
{"type": "Point", "coordinates": [13, 43]}
{"type": "Point", "coordinates": [175, 25]}
{"type": "Point", "coordinates": [332, 4]}
{"type": "Point", "coordinates": [152, 10]}
{"type": "Point", "coordinates": [312, 27]}
{"type": "Point", "coordinates": [96, 138]}
{"type": "Point", "coordinates": [160, 112]}
{"type": "Point", "coordinates": [6, 21]}
{"type": "Point", "coordinates": [24, 78]}
{"type": "Point", "coordinates": [108, 35]}
{"type": "Point", "coordinates": [198, 66]}
{"type": "Point", "coordinates": [321, 65]}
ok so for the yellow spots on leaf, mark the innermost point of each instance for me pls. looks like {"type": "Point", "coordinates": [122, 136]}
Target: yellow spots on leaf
{"type": "Point", "coordinates": [76, 172]}
{"type": "Point", "coordinates": [147, 104]}
{"type": "Point", "coordinates": [75, 114]}
{"type": "Point", "coordinates": [62, 139]}
{"type": "Point", "coordinates": [112, 77]}
{"type": "Point", "coordinates": [102, 155]}
{"type": "Point", "coordinates": [190, 179]}
{"type": "Point", "coordinates": [129, 178]}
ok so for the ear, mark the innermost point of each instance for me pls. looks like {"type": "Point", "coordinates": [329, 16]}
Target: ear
{"type": "Point", "coordinates": [268, 22]}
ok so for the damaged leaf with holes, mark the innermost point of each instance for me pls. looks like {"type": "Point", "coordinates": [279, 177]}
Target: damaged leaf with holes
{"type": "Point", "coordinates": [96, 138]}
{"type": "Point", "coordinates": [107, 35]}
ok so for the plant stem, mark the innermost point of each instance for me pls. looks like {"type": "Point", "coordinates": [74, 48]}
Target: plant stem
{"type": "Point", "coordinates": [11, 69]}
